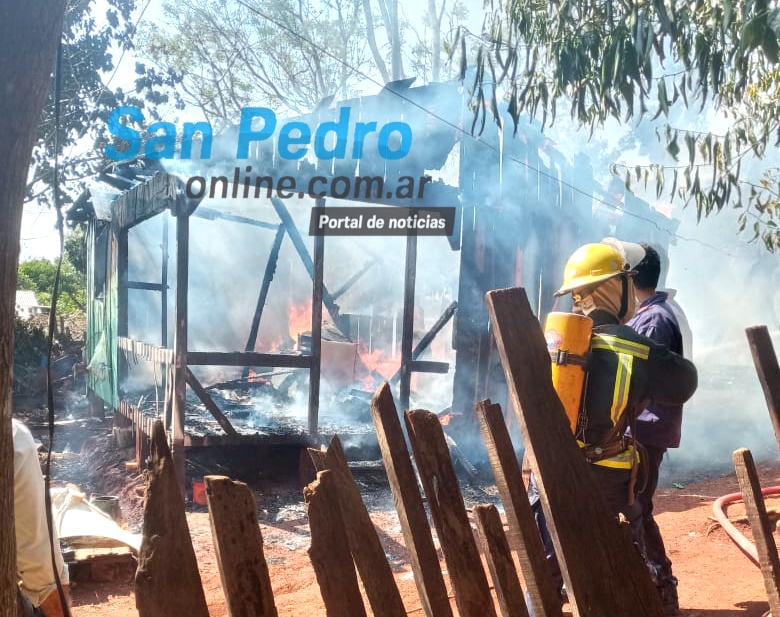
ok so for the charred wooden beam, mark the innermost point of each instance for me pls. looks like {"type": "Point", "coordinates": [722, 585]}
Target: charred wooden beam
{"type": "Point", "coordinates": [411, 511]}
{"type": "Point", "coordinates": [604, 573]}
{"type": "Point", "coordinates": [210, 214]}
{"type": "Point", "coordinates": [238, 545]}
{"type": "Point", "coordinates": [205, 397]}
{"type": "Point", "coordinates": [429, 366]}
{"type": "Point", "coordinates": [407, 329]}
{"type": "Point", "coordinates": [317, 298]}
{"type": "Point", "coordinates": [270, 271]}
{"type": "Point", "coordinates": [354, 278]}
{"type": "Point", "coordinates": [143, 285]}
{"type": "Point", "coordinates": [523, 532]}
{"type": "Point", "coordinates": [762, 528]}
{"type": "Point", "coordinates": [179, 386]}
{"type": "Point", "coordinates": [242, 358]}
{"type": "Point", "coordinates": [768, 371]}
{"type": "Point", "coordinates": [422, 345]}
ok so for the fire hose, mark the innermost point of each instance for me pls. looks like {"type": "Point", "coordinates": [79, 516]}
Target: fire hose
{"type": "Point", "coordinates": [745, 545]}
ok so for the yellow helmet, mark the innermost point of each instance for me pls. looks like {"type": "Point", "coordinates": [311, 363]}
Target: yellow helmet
{"type": "Point", "coordinates": [590, 264]}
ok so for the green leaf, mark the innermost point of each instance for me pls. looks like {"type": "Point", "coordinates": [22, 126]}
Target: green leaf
{"type": "Point", "coordinates": [663, 100]}
{"type": "Point", "coordinates": [769, 46]}
{"type": "Point", "coordinates": [673, 149]}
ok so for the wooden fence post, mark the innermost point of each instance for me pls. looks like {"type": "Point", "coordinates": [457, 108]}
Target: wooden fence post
{"type": "Point", "coordinates": [166, 561]}
{"type": "Point", "coordinates": [238, 544]}
{"type": "Point", "coordinates": [445, 501]}
{"type": "Point", "coordinates": [759, 525]}
{"type": "Point", "coordinates": [411, 511]}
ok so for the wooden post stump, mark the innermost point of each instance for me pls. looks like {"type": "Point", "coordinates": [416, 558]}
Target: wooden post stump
{"type": "Point", "coordinates": [760, 525]}
{"type": "Point", "coordinates": [329, 551]}
{"type": "Point", "coordinates": [367, 550]}
{"type": "Point", "coordinates": [523, 533]}
{"type": "Point", "coordinates": [511, 599]}
{"type": "Point", "coordinates": [167, 581]}
{"type": "Point", "coordinates": [768, 371]}
{"type": "Point", "coordinates": [238, 544]}
{"type": "Point", "coordinates": [472, 592]}
{"type": "Point", "coordinates": [409, 504]}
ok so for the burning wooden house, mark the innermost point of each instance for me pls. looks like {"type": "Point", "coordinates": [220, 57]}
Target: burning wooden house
{"type": "Point", "coordinates": [220, 316]}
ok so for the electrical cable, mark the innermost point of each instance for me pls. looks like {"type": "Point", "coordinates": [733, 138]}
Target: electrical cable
{"type": "Point", "coordinates": [50, 338]}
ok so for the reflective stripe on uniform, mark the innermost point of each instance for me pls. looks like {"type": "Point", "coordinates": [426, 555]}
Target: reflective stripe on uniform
{"type": "Point", "coordinates": [626, 351]}
{"type": "Point", "coordinates": [620, 345]}
{"type": "Point", "coordinates": [623, 460]}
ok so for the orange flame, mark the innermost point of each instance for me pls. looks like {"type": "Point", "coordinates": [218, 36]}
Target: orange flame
{"type": "Point", "coordinates": [298, 318]}
{"type": "Point", "coordinates": [377, 362]}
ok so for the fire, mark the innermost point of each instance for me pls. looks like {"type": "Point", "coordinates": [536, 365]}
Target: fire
{"type": "Point", "coordinates": [378, 362]}
{"type": "Point", "coordinates": [298, 318]}
{"type": "Point", "coordinates": [255, 377]}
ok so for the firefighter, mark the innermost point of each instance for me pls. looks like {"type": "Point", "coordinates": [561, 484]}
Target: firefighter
{"type": "Point", "coordinates": [624, 371]}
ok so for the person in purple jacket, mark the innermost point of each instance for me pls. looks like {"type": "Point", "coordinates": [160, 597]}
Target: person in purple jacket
{"type": "Point", "coordinates": [658, 427]}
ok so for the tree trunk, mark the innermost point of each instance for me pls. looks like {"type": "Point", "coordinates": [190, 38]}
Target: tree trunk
{"type": "Point", "coordinates": [28, 42]}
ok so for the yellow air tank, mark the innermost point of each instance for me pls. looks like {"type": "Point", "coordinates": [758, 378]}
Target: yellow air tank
{"type": "Point", "coordinates": [568, 341]}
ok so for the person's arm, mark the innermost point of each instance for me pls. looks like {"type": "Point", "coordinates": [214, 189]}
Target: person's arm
{"type": "Point", "coordinates": [672, 379]}
{"type": "Point", "coordinates": [33, 548]}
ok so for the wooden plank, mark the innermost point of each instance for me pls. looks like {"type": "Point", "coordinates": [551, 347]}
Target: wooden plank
{"type": "Point", "coordinates": [445, 502]}
{"type": "Point", "coordinates": [411, 511]}
{"type": "Point", "coordinates": [205, 397]}
{"type": "Point", "coordinates": [317, 296]}
{"type": "Point", "coordinates": [429, 366]}
{"type": "Point", "coordinates": [329, 551]}
{"type": "Point", "coordinates": [604, 573]}
{"type": "Point", "coordinates": [238, 545]}
{"type": "Point", "coordinates": [166, 561]}
{"type": "Point", "coordinates": [407, 326]}
{"type": "Point", "coordinates": [242, 358]}
{"type": "Point", "coordinates": [367, 550]}
{"type": "Point", "coordinates": [179, 385]}
{"type": "Point", "coordinates": [523, 532]}
{"type": "Point", "coordinates": [760, 525]}
{"type": "Point", "coordinates": [511, 599]}
{"type": "Point", "coordinates": [265, 286]}
{"type": "Point", "coordinates": [427, 338]}
{"type": "Point", "coordinates": [768, 371]}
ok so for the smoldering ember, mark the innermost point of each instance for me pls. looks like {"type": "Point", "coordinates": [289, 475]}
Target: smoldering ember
{"type": "Point", "coordinates": [381, 354]}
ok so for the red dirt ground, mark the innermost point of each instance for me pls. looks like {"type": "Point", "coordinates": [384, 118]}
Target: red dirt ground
{"type": "Point", "coordinates": [716, 580]}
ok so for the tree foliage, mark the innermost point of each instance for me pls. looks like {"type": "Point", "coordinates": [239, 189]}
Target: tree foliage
{"type": "Point", "coordinates": [95, 38]}
{"type": "Point", "coordinates": [222, 57]}
{"type": "Point", "coordinates": [287, 54]}
{"type": "Point", "coordinates": [632, 58]}
{"type": "Point", "coordinates": [38, 275]}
